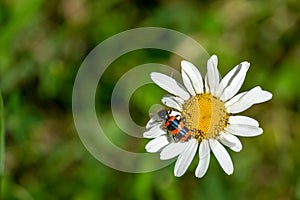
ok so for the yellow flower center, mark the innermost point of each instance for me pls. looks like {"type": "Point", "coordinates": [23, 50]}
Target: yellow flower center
{"type": "Point", "coordinates": [205, 115]}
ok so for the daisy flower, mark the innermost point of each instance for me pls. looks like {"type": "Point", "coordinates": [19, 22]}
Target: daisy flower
{"type": "Point", "coordinates": [207, 107]}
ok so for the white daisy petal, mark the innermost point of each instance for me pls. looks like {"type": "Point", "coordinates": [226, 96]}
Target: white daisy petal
{"type": "Point", "coordinates": [222, 156]}
{"type": "Point", "coordinates": [225, 82]}
{"type": "Point", "coordinates": [204, 158]}
{"type": "Point", "coordinates": [233, 81]}
{"type": "Point", "coordinates": [154, 132]}
{"type": "Point", "coordinates": [238, 146]}
{"type": "Point", "coordinates": [230, 141]}
{"type": "Point", "coordinates": [235, 98]}
{"type": "Point", "coordinates": [212, 77]}
{"type": "Point", "coordinates": [185, 158]}
{"type": "Point", "coordinates": [244, 102]}
{"type": "Point", "coordinates": [173, 150]}
{"type": "Point", "coordinates": [244, 130]}
{"type": "Point", "coordinates": [156, 144]}
{"type": "Point", "coordinates": [153, 121]}
{"type": "Point", "coordinates": [194, 76]}
{"type": "Point", "coordinates": [238, 119]}
{"type": "Point", "coordinates": [169, 84]}
{"type": "Point", "coordinates": [226, 139]}
{"type": "Point", "coordinates": [172, 102]}
{"type": "Point", "coordinates": [187, 83]}
{"type": "Point", "coordinates": [264, 96]}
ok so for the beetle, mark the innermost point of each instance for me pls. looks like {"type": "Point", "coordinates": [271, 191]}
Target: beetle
{"type": "Point", "coordinates": [173, 124]}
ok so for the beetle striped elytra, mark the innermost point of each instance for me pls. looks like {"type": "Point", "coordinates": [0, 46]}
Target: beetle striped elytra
{"type": "Point", "coordinates": [173, 123]}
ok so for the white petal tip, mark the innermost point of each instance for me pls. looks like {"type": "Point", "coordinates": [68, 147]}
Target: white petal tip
{"type": "Point", "coordinates": [214, 58]}
{"type": "Point", "coordinates": [246, 63]}
{"type": "Point", "coordinates": [267, 95]}
{"type": "Point", "coordinates": [229, 172]}
{"type": "Point", "coordinates": [156, 144]}
{"type": "Point", "coordinates": [259, 131]}
{"type": "Point", "coordinates": [177, 175]}
{"type": "Point", "coordinates": [148, 136]}
{"type": "Point", "coordinates": [244, 130]}
{"type": "Point", "coordinates": [154, 132]}
{"type": "Point", "coordinates": [154, 75]}
{"type": "Point", "coordinates": [184, 62]}
{"type": "Point", "coordinates": [186, 65]}
{"type": "Point", "coordinates": [236, 148]}
{"type": "Point", "coordinates": [199, 174]}
{"type": "Point", "coordinates": [165, 157]}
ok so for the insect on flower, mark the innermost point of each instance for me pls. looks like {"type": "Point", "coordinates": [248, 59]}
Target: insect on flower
{"type": "Point", "coordinates": [204, 116]}
{"type": "Point", "coordinates": [174, 125]}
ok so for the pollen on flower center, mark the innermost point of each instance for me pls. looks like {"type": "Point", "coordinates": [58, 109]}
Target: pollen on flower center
{"type": "Point", "coordinates": [205, 116]}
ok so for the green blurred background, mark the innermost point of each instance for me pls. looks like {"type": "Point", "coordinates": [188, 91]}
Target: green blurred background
{"type": "Point", "coordinates": [43, 43]}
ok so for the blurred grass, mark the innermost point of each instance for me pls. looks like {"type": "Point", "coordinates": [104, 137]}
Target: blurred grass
{"type": "Point", "coordinates": [2, 143]}
{"type": "Point", "coordinates": [42, 44]}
